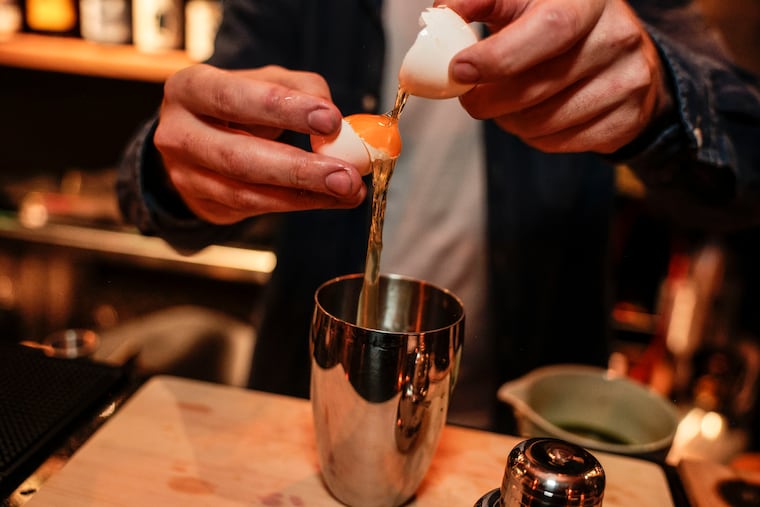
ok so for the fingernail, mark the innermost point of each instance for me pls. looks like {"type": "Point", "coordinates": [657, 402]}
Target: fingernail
{"type": "Point", "coordinates": [323, 121]}
{"type": "Point", "coordinates": [340, 183]}
{"type": "Point", "coordinates": [465, 72]}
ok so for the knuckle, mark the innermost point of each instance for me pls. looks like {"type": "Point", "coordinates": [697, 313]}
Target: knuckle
{"type": "Point", "coordinates": [271, 69]}
{"type": "Point", "coordinates": [184, 79]}
{"type": "Point", "coordinates": [161, 138]}
{"type": "Point", "coordinates": [533, 94]}
{"type": "Point", "coordinates": [314, 83]}
{"type": "Point", "coordinates": [628, 36]}
{"type": "Point", "coordinates": [564, 23]}
{"type": "Point", "coordinates": [172, 84]}
{"type": "Point", "coordinates": [171, 140]}
{"type": "Point", "coordinates": [316, 79]}
{"type": "Point", "coordinates": [296, 174]}
{"type": "Point", "coordinates": [638, 78]}
{"type": "Point", "coordinates": [229, 158]}
{"type": "Point", "coordinates": [225, 99]}
{"type": "Point", "coordinates": [272, 100]}
{"type": "Point", "coordinates": [239, 199]}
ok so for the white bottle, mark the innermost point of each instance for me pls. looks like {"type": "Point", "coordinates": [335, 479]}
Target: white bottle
{"type": "Point", "coordinates": [157, 25]}
{"type": "Point", "coordinates": [202, 19]}
{"type": "Point", "coordinates": [10, 18]}
{"type": "Point", "coordinates": [105, 21]}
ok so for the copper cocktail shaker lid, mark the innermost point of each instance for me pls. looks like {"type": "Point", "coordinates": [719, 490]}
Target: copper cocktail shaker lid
{"type": "Point", "coordinates": [547, 472]}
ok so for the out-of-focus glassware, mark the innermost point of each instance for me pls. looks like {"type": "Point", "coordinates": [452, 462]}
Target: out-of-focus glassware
{"type": "Point", "coordinates": [106, 21]}
{"type": "Point", "coordinates": [11, 19]}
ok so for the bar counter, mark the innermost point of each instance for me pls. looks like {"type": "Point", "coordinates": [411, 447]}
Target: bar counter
{"type": "Point", "coordinates": [186, 442]}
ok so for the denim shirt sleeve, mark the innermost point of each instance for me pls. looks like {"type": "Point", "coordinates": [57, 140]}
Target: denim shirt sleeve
{"type": "Point", "coordinates": [701, 166]}
{"type": "Point", "coordinates": [146, 201]}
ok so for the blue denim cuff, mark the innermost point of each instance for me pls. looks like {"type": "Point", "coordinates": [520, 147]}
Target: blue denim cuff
{"type": "Point", "coordinates": [148, 202]}
{"type": "Point", "coordinates": [691, 76]}
{"type": "Point", "coordinates": [689, 148]}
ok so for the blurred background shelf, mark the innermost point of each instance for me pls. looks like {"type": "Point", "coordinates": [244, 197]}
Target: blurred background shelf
{"type": "Point", "coordinates": [220, 262]}
{"type": "Point", "coordinates": [69, 107]}
{"type": "Point", "coordinates": [77, 56]}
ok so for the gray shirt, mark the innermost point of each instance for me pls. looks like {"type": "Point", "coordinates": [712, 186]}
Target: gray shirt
{"type": "Point", "coordinates": [435, 216]}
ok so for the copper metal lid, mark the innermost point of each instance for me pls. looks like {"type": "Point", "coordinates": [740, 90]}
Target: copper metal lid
{"type": "Point", "coordinates": [547, 472]}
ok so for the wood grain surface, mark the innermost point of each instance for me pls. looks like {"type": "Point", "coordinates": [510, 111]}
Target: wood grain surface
{"type": "Point", "coordinates": [189, 443]}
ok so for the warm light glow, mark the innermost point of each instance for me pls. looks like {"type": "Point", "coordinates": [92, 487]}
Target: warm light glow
{"type": "Point", "coordinates": [681, 318]}
{"type": "Point", "coordinates": [378, 131]}
{"type": "Point", "coordinates": [712, 425]}
{"type": "Point", "coordinates": [688, 428]}
{"type": "Point", "coordinates": [51, 15]}
{"type": "Point", "coordinates": [108, 411]}
{"type": "Point", "coordinates": [32, 212]}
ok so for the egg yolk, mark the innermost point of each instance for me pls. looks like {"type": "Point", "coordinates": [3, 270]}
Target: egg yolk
{"type": "Point", "coordinates": [378, 131]}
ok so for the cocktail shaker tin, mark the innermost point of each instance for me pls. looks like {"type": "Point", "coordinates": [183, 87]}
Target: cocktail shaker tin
{"type": "Point", "coordinates": [547, 472]}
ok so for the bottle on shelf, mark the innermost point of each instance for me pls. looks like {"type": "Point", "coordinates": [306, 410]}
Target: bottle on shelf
{"type": "Point", "coordinates": [106, 21]}
{"type": "Point", "coordinates": [58, 17]}
{"type": "Point", "coordinates": [202, 19]}
{"type": "Point", "coordinates": [10, 18]}
{"type": "Point", "coordinates": [157, 25]}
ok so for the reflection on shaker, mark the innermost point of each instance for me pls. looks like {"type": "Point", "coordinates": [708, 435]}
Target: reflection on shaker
{"type": "Point", "coordinates": [157, 25]}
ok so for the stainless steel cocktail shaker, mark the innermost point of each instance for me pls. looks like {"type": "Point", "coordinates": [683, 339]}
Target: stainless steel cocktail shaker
{"type": "Point", "coordinates": [380, 396]}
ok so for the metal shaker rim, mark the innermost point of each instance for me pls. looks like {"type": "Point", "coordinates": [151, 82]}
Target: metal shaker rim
{"type": "Point", "coordinates": [398, 284]}
{"type": "Point", "coordinates": [548, 472]}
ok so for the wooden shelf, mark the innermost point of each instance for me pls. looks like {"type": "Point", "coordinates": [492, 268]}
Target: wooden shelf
{"type": "Point", "coordinates": [214, 262]}
{"type": "Point", "coordinates": [78, 56]}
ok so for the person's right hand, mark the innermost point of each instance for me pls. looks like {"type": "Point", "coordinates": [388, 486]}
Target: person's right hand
{"type": "Point", "coordinates": [563, 75]}
{"type": "Point", "coordinates": [217, 136]}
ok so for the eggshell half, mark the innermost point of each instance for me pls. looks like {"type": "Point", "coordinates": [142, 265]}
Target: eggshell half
{"type": "Point", "coordinates": [345, 145]}
{"type": "Point", "coordinates": [424, 71]}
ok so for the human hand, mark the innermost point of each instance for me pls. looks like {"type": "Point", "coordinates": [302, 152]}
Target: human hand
{"type": "Point", "coordinates": [563, 75]}
{"type": "Point", "coordinates": [217, 136]}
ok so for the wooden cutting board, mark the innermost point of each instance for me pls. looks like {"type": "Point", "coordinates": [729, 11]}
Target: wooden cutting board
{"type": "Point", "coordinates": [189, 443]}
{"type": "Point", "coordinates": [709, 484]}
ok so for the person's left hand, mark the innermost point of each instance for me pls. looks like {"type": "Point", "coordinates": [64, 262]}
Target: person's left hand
{"type": "Point", "coordinates": [563, 75]}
